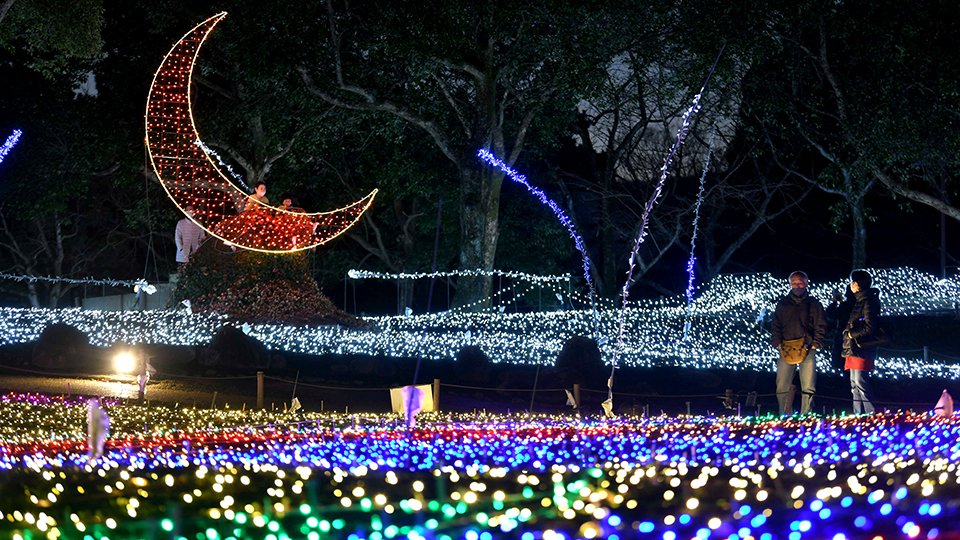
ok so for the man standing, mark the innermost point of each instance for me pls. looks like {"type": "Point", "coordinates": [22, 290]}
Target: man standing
{"type": "Point", "coordinates": [798, 329]}
{"type": "Point", "coordinates": [189, 236]}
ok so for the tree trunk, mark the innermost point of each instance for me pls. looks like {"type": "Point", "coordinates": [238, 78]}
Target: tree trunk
{"type": "Point", "coordinates": [33, 295]}
{"type": "Point", "coordinates": [859, 232]}
{"type": "Point", "coordinates": [479, 231]}
{"type": "Point", "coordinates": [608, 260]}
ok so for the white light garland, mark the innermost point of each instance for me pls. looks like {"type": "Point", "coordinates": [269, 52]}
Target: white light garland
{"type": "Point", "coordinates": [209, 151]}
{"type": "Point", "coordinates": [137, 285]}
{"type": "Point", "coordinates": [724, 332]}
{"type": "Point", "coordinates": [364, 274]}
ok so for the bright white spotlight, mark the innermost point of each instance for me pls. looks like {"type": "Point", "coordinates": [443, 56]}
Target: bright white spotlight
{"type": "Point", "coordinates": [124, 362]}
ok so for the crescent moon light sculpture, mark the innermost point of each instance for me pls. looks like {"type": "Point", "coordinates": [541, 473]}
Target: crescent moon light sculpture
{"type": "Point", "coordinates": [191, 178]}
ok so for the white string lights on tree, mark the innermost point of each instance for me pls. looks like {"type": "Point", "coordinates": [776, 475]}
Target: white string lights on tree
{"type": "Point", "coordinates": [725, 332]}
{"type": "Point", "coordinates": [692, 261]}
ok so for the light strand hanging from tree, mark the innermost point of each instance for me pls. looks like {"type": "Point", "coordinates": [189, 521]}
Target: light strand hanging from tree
{"type": "Point", "coordinates": [565, 220]}
{"type": "Point", "coordinates": [9, 144]}
{"type": "Point", "coordinates": [210, 152]}
{"type": "Point", "coordinates": [137, 285]}
{"type": "Point", "coordinates": [644, 224]}
{"type": "Point", "coordinates": [365, 274]}
{"type": "Point", "coordinates": [692, 261]}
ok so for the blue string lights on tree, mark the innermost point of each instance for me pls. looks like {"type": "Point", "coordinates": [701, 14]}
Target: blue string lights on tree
{"type": "Point", "coordinates": [692, 261]}
{"type": "Point", "coordinates": [565, 220]}
{"type": "Point", "coordinates": [9, 144]}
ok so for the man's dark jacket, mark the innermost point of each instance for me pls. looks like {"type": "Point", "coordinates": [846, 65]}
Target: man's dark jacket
{"type": "Point", "coordinates": [799, 317]}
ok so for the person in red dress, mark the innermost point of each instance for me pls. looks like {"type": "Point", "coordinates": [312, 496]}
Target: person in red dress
{"type": "Point", "coordinates": [857, 337]}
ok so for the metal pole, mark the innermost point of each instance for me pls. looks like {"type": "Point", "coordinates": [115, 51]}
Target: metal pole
{"type": "Point", "coordinates": [533, 395]}
{"type": "Point", "coordinates": [259, 390]}
{"type": "Point", "coordinates": [436, 248]}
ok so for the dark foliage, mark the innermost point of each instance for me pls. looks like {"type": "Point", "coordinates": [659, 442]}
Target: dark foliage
{"type": "Point", "coordinates": [256, 287]}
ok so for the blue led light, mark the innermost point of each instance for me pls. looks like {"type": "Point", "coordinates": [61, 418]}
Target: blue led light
{"type": "Point", "coordinates": [646, 527]}
{"type": "Point", "coordinates": [886, 509]}
{"type": "Point", "coordinates": [9, 144]}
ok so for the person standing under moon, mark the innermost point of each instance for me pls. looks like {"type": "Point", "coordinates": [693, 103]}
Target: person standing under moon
{"type": "Point", "coordinates": [188, 236]}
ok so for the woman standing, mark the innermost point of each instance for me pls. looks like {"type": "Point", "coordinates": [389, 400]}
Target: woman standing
{"type": "Point", "coordinates": [859, 339]}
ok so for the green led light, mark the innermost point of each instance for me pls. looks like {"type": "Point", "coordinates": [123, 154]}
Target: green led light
{"type": "Point", "coordinates": [165, 524]}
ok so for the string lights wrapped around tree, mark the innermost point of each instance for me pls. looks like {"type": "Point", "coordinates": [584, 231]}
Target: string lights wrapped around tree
{"type": "Point", "coordinates": [191, 178]}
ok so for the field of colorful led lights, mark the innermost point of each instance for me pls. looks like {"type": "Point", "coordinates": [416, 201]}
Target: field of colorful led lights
{"type": "Point", "coordinates": [484, 466]}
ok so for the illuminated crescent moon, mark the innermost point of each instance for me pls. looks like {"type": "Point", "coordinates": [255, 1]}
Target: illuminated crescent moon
{"type": "Point", "coordinates": [190, 177]}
